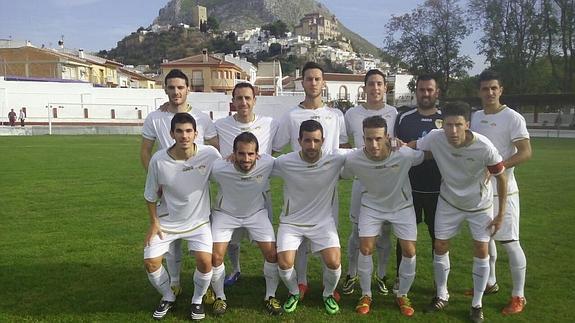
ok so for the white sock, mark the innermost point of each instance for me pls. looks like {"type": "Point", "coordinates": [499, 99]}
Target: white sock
{"type": "Point", "coordinates": [441, 267]}
{"type": "Point", "coordinates": [330, 279]}
{"type": "Point", "coordinates": [365, 268]}
{"type": "Point", "coordinates": [289, 277]}
{"type": "Point", "coordinates": [480, 277]}
{"type": "Point", "coordinates": [406, 275]}
{"type": "Point", "coordinates": [218, 277]}
{"type": "Point", "coordinates": [271, 275]}
{"type": "Point", "coordinates": [301, 263]}
{"type": "Point", "coordinates": [383, 246]}
{"type": "Point", "coordinates": [518, 266]}
{"type": "Point", "coordinates": [201, 284]}
{"type": "Point", "coordinates": [353, 251]}
{"type": "Point", "coordinates": [234, 254]}
{"type": "Point", "coordinates": [492, 259]}
{"type": "Point", "coordinates": [174, 262]}
{"type": "Point", "coordinates": [161, 282]}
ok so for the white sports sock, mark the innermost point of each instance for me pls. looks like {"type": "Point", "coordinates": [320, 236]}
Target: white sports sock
{"type": "Point", "coordinates": [218, 277]}
{"type": "Point", "coordinates": [289, 277]}
{"type": "Point", "coordinates": [174, 262]}
{"type": "Point", "coordinates": [271, 275]}
{"type": "Point", "coordinates": [518, 266]}
{"type": "Point", "coordinates": [161, 282]}
{"type": "Point", "coordinates": [353, 251]}
{"type": "Point", "coordinates": [383, 247]}
{"type": "Point", "coordinates": [201, 284]}
{"type": "Point", "coordinates": [365, 268]}
{"type": "Point", "coordinates": [301, 262]}
{"type": "Point", "coordinates": [441, 268]}
{"type": "Point", "coordinates": [330, 279]}
{"type": "Point", "coordinates": [492, 259]}
{"type": "Point", "coordinates": [406, 275]}
{"type": "Point", "coordinates": [234, 254]}
{"type": "Point", "coordinates": [480, 277]}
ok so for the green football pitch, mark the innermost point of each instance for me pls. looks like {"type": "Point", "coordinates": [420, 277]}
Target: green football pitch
{"type": "Point", "coordinates": [73, 221]}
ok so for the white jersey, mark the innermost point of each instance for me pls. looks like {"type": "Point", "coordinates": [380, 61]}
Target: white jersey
{"type": "Point", "coordinates": [185, 188]}
{"type": "Point", "coordinates": [463, 169]}
{"type": "Point", "coordinates": [157, 127]}
{"type": "Point", "coordinates": [354, 121]}
{"type": "Point", "coordinates": [264, 128]}
{"type": "Point", "coordinates": [503, 129]}
{"type": "Point", "coordinates": [241, 194]}
{"type": "Point", "coordinates": [386, 182]}
{"type": "Point", "coordinates": [309, 189]}
{"type": "Point", "coordinates": [331, 120]}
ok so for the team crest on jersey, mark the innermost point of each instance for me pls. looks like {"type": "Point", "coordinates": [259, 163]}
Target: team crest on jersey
{"type": "Point", "coordinates": [202, 169]}
{"type": "Point", "coordinates": [260, 178]}
{"type": "Point", "coordinates": [438, 123]}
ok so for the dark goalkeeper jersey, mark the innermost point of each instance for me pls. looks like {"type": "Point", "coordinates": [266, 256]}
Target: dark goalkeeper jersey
{"type": "Point", "coordinates": [409, 126]}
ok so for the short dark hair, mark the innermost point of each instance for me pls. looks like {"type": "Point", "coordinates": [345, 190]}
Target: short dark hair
{"type": "Point", "coordinates": [182, 117]}
{"type": "Point", "coordinates": [242, 85]}
{"type": "Point", "coordinates": [246, 137]}
{"type": "Point", "coordinates": [373, 72]}
{"type": "Point", "coordinates": [310, 66]}
{"type": "Point", "coordinates": [176, 74]}
{"type": "Point", "coordinates": [456, 109]}
{"type": "Point", "coordinates": [489, 75]}
{"type": "Point", "coordinates": [374, 122]}
{"type": "Point", "coordinates": [310, 126]}
{"type": "Point", "coordinates": [425, 77]}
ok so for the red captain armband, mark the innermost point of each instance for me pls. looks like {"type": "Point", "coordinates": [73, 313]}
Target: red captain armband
{"type": "Point", "coordinates": [496, 169]}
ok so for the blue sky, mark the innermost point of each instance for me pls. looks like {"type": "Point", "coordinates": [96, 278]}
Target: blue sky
{"type": "Point", "coordinates": [98, 24]}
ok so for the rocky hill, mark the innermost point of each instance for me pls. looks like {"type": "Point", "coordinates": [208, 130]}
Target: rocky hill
{"type": "Point", "coordinates": [243, 14]}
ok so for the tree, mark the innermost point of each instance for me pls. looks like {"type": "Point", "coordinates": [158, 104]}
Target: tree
{"type": "Point", "coordinates": [428, 40]}
{"type": "Point", "coordinates": [278, 28]}
{"type": "Point", "coordinates": [559, 26]}
{"type": "Point", "coordinates": [512, 39]}
{"type": "Point", "coordinates": [212, 24]}
{"type": "Point", "coordinates": [275, 49]}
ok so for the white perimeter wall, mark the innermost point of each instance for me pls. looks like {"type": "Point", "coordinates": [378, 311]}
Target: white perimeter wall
{"type": "Point", "coordinates": [72, 98]}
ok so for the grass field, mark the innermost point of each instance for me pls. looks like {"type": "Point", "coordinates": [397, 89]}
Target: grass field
{"type": "Point", "coordinates": [73, 221]}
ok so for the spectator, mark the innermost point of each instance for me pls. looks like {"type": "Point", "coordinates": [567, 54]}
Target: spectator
{"type": "Point", "coordinates": [12, 117]}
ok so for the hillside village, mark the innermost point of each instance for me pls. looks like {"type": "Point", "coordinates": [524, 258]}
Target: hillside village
{"type": "Point", "coordinates": [258, 60]}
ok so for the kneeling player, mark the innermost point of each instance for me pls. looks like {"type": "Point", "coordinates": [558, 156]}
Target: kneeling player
{"type": "Point", "coordinates": [241, 204]}
{"type": "Point", "coordinates": [181, 172]}
{"type": "Point", "coordinates": [387, 199]}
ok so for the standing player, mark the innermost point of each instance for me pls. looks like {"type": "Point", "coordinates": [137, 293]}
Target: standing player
{"type": "Point", "coordinates": [264, 128]}
{"type": "Point", "coordinates": [182, 172]}
{"type": "Point", "coordinates": [157, 128]}
{"type": "Point", "coordinates": [425, 178]}
{"type": "Point", "coordinates": [310, 179]}
{"type": "Point", "coordinates": [241, 203]}
{"type": "Point", "coordinates": [384, 175]}
{"type": "Point", "coordinates": [508, 132]}
{"type": "Point", "coordinates": [375, 88]}
{"type": "Point", "coordinates": [333, 124]}
{"type": "Point", "coordinates": [463, 157]}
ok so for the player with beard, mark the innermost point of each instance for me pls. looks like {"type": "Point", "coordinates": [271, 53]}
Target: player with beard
{"type": "Point", "coordinates": [425, 178]}
{"type": "Point", "coordinates": [335, 136]}
{"type": "Point", "coordinates": [241, 203]}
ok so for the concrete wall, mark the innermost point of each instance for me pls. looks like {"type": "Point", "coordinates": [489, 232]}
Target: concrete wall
{"type": "Point", "coordinates": [70, 100]}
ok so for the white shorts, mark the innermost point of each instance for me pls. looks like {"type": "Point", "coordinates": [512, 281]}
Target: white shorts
{"type": "Point", "coordinates": [402, 221]}
{"type": "Point", "coordinates": [321, 236]}
{"type": "Point", "coordinates": [257, 225]}
{"type": "Point", "coordinates": [199, 239]}
{"type": "Point", "coordinates": [239, 234]}
{"type": "Point", "coordinates": [448, 222]}
{"type": "Point", "coordinates": [510, 228]}
{"type": "Point", "coordinates": [355, 200]}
